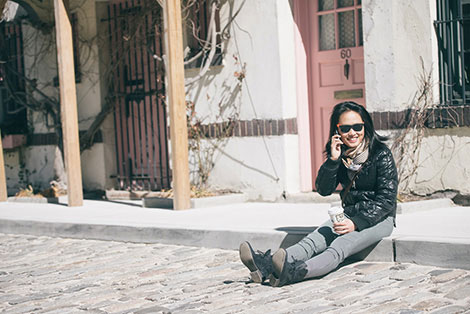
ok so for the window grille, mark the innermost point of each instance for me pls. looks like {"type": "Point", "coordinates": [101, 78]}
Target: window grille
{"type": "Point", "coordinates": [453, 35]}
{"type": "Point", "coordinates": [12, 85]}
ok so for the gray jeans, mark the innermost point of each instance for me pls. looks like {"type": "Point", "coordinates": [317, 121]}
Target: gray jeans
{"type": "Point", "coordinates": [323, 250]}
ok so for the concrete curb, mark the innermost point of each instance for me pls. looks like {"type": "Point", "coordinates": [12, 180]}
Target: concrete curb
{"type": "Point", "coordinates": [224, 239]}
{"type": "Point", "coordinates": [416, 206]}
{"type": "Point", "coordinates": [441, 252]}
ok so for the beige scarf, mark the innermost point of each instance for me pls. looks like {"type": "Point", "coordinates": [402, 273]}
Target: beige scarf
{"type": "Point", "coordinates": [353, 158]}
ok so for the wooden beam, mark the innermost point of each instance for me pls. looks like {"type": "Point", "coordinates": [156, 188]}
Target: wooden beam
{"type": "Point", "coordinates": [3, 179]}
{"type": "Point", "coordinates": [177, 105]}
{"type": "Point", "coordinates": [68, 104]}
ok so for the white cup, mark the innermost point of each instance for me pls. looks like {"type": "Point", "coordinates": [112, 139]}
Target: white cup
{"type": "Point", "coordinates": [336, 214]}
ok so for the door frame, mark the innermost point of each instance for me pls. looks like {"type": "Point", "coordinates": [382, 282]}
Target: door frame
{"type": "Point", "coordinates": [305, 92]}
{"type": "Point", "coordinates": [303, 85]}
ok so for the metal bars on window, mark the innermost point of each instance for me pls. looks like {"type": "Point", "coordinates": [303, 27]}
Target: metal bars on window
{"type": "Point", "coordinates": [451, 27]}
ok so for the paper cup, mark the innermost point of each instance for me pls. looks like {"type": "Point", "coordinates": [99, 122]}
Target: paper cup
{"type": "Point", "coordinates": [336, 214]}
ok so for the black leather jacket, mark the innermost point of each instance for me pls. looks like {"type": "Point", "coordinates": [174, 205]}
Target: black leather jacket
{"type": "Point", "coordinates": [373, 196]}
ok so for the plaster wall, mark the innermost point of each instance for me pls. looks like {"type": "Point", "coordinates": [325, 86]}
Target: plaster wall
{"type": "Point", "coordinates": [12, 173]}
{"type": "Point", "coordinates": [262, 44]}
{"type": "Point", "coordinates": [260, 178]}
{"type": "Point", "coordinates": [88, 90]}
{"type": "Point", "coordinates": [107, 128]}
{"type": "Point", "coordinates": [443, 162]}
{"type": "Point", "coordinates": [397, 36]}
{"type": "Point", "coordinates": [89, 98]}
{"type": "Point", "coordinates": [93, 169]}
{"type": "Point", "coordinates": [393, 67]}
{"type": "Point", "coordinates": [37, 166]}
{"type": "Point", "coordinates": [254, 45]}
{"type": "Point", "coordinates": [288, 57]}
{"type": "Point", "coordinates": [41, 65]}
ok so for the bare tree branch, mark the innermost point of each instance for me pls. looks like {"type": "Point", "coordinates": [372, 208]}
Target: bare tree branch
{"type": "Point", "coordinates": [407, 145]}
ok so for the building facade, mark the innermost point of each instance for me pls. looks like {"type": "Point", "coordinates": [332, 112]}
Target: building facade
{"type": "Point", "coordinates": [258, 109]}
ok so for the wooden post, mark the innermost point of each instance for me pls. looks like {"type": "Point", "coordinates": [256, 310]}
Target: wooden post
{"type": "Point", "coordinates": [3, 179]}
{"type": "Point", "coordinates": [68, 104]}
{"type": "Point", "coordinates": [177, 101]}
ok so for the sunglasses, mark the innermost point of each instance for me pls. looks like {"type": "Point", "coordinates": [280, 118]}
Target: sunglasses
{"type": "Point", "coordinates": [345, 128]}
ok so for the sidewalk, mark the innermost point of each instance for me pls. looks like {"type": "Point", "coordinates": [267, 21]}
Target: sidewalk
{"type": "Point", "coordinates": [433, 233]}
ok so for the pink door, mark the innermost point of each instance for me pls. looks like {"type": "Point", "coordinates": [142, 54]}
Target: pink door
{"type": "Point", "coordinates": [336, 65]}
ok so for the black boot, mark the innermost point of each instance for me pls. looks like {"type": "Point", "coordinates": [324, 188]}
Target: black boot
{"type": "Point", "coordinates": [259, 263]}
{"type": "Point", "coordinates": [285, 273]}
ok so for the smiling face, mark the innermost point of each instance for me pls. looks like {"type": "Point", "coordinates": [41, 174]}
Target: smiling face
{"type": "Point", "coordinates": [351, 138]}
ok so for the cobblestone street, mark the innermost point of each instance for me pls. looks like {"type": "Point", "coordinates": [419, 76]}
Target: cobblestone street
{"type": "Point", "coordinates": [55, 275]}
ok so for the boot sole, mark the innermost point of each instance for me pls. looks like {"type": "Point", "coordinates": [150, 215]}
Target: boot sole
{"type": "Point", "coordinates": [279, 258]}
{"type": "Point", "coordinates": [246, 257]}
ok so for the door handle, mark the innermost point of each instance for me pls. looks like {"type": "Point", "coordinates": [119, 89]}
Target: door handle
{"type": "Point", "coordinates": [346, 69]}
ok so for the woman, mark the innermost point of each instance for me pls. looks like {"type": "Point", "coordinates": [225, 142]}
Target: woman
{"type": "Point", "coordinates": [358, 159]}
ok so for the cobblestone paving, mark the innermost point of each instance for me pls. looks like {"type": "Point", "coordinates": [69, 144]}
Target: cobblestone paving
{"type": "Point", "coordinates": [54, 275]}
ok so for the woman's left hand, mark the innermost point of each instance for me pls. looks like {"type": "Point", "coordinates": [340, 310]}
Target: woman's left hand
{"type": "Point", "coordinates": [344, 227]}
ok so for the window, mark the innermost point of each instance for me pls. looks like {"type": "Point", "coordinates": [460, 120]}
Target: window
{"type": "Point", "coordinates": [453, 35]}
{"type": "Point", "coordinates": [12, 96]}
{"type": "Point", "coordinates": [197, 15]}
{"type": "Point", "coordinates": [339, 24]}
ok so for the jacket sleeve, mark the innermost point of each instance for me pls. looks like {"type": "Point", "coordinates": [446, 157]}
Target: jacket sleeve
{"type": "Point", "coordinates": [327, 178]}
{"type": "Point", "coordinates": [373, 211]}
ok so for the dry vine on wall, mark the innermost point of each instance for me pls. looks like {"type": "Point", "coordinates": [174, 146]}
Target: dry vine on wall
{"type": "Point", "coordinates": [34, 99]}
{"type": "Point", "coordinates": [407, 144]}
{"type": "Point", "coordinates": [202, 145]}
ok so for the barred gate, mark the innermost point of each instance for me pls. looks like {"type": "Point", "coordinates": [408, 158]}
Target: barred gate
{"type": "Point", "coordinates": [135, 29]}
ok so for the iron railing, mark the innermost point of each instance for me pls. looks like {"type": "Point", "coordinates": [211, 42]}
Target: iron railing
{"type": "Point", "coordinates": [454, 57]}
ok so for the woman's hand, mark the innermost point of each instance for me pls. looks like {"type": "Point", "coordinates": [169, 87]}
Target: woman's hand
{"type": "Point", "coordinates": [336, 146]}
{"type": "Point", "coordinates": [344, 227]}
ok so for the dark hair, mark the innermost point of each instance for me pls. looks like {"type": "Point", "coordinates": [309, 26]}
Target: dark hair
{"type": "Point", "coordinates": [375, 140]}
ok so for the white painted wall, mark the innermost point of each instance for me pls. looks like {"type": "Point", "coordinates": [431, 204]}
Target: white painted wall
{"type": "Point", "coordinates": [444, 163]}
{"type": "Point", "coordinates": [262, 40]}
{"type": "Point", "coordinates": [40, 64]}
{"type": "Point", "coordinates": [12, 171]}
{"type": "Point", "coordinates": [32, 165]}
{"type": "Point", "coordinates": [93, 168]}
{"type": "Point", "coordinates": [253, 45]}
{"type": "Point", "coordinates": [397, 35]}
{"type": "Point", "coordinates": [249, 165]}
{"type": "Point", "coordinates": [97, 165]}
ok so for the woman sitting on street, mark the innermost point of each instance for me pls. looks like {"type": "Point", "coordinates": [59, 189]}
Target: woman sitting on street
{"type": "Point", "coordinates": [358, 159]}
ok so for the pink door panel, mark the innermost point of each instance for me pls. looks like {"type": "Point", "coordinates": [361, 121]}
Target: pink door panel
{"type": "Point", "coordinates": [335, 65]}
{"type": "Point", "coordinates": [331, 74]}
